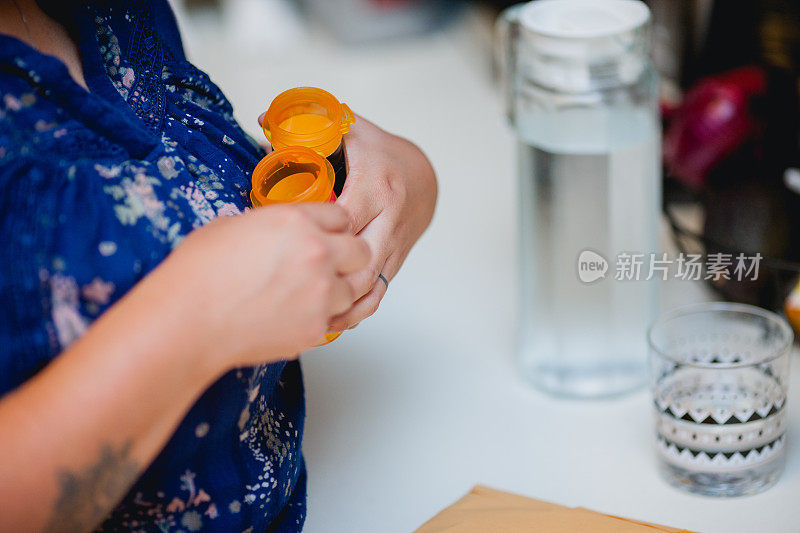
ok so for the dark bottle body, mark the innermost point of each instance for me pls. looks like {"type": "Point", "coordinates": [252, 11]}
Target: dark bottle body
{"type": "Point", "coordinates": [338, 161]}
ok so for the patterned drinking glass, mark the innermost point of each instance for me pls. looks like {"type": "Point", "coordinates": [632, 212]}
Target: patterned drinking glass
{"type": "Point", "coordinates": [719, 374]}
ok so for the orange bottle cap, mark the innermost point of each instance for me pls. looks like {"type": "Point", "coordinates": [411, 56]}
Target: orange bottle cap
{"type": "Point", "coordinates": [307, 116]}
{"type": "Point", "coordinates": [292, 175]}
{"type": "Point", "coordinates": [329, 337]}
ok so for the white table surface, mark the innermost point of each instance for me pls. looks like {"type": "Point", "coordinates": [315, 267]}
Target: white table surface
{"type": "Point", "coordinates": [422, 401]}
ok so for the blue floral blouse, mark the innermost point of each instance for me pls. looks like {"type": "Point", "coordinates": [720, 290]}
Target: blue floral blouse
{"type": "Point", "coordinates": [96, 188]}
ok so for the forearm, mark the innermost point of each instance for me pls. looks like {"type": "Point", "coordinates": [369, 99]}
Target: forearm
{"type": "Point", "coordinates": [75, 437]}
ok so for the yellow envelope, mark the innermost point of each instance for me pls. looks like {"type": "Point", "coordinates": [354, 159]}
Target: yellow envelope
{"type": "Point", "coordinates": [489, 510]}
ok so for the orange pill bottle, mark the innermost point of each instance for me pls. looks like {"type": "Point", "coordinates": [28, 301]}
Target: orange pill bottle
{"type": "Point", "coordinates": [315, 119]}
{"type": "Point", "coordinates": [294, 175]}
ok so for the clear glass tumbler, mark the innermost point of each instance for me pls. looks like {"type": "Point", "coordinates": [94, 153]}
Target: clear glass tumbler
{"type": "Point", "coordinates": [582, 100]}
{"type": "Point", "coordinates": [719, 375]}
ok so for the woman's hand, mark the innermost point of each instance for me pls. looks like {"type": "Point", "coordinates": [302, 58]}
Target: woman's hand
{"type": "Point", "coordinates": [389, 196]}
{"type": "Point", "coordinates": [264, 286]}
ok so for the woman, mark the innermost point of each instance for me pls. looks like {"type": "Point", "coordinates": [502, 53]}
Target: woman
{"type": "Point", "coordinates": [144, 333]}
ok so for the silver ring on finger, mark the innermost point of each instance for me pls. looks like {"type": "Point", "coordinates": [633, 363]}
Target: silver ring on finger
{"type": "Point", "coordinates": [384, 280]}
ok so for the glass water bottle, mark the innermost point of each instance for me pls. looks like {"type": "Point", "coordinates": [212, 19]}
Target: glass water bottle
{"type": "Point", "coordinates": [582, 99]}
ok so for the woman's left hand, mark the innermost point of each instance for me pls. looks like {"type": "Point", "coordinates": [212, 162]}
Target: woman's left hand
{"type": "Point", "coordinates": [389, 195]}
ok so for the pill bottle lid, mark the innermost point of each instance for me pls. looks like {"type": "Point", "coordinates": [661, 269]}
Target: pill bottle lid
{"type": "Point", "coordinates": [307, 116]}
{"type": "Point", "coordinates": [292, 175]}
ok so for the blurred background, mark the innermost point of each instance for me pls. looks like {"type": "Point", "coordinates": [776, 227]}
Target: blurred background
{"type": "Point", "coordinates": [415, 406]}
{"type": "Point", "coordinates": [731, 147]}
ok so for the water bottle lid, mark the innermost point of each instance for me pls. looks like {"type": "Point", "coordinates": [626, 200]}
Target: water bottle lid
{"type": "Point", "coordinates": [584, 19]}
{"type": "Point", "coordinates": [581, 45]}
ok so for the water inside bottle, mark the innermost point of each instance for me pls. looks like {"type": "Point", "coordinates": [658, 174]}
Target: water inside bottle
{"type": "Point", "coordinates": [589, 180]}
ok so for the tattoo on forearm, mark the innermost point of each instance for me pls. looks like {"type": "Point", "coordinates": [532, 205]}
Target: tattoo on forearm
{"type": "Point", "coordinates": [87, 496]}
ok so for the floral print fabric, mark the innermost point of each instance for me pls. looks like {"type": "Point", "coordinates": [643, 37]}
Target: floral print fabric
{"type": "Point", "coordinates": [97, 188]}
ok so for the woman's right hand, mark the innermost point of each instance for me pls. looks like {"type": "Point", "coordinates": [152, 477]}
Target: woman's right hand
{"type": "Point", "coordinates": [262, 286]}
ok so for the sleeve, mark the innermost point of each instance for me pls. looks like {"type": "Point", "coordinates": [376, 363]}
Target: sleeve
{"type": "Point", "coordinates": [27, 340]}
{"type": "Point", "coordinates": [65, 255]}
